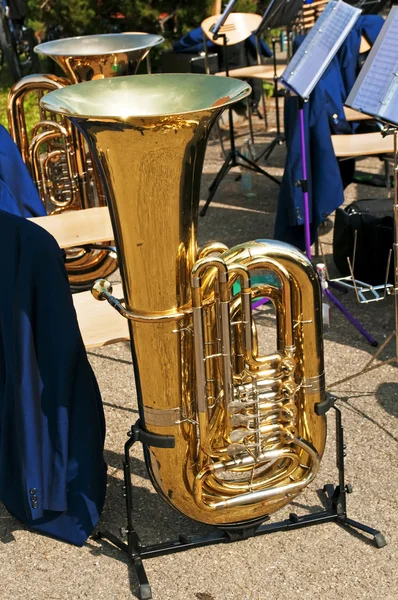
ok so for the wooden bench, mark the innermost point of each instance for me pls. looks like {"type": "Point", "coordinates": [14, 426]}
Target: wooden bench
{"type": "Point", "coordinates": [354, 115]}
{"type": "Point", "coordinates": [77, 228]}
{"type": "Point", "coordinates": [99, 323]}
{"type": "Point", "coordinates": [362, 144]}
{"type": "Point", "coordinates": [264, 72]}
{"type": "Point", "coordinates": [310, 13]}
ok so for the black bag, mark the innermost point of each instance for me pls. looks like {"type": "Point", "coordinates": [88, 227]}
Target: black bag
{"type": "Point", "coordinates": [375, 239]}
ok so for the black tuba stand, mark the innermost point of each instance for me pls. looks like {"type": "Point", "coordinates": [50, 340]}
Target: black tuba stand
{"type": "Point", "coordinates": [136, 551]}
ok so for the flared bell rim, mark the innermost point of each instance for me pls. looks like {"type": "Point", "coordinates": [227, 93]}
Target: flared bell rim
{"type": "Point", "coordinates": [99, 45]}
{"type": "Point", "coordinates": [145, 96]}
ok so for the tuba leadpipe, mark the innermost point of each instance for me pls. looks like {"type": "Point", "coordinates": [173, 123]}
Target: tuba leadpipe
{"type": "Point", "coordinates": [247, 437]}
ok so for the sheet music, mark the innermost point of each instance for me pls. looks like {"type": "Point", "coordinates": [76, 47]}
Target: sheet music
{"type": "Point", "coordinates": [376, 90]}
{"type": "Point", "coordinates": [319, 47]}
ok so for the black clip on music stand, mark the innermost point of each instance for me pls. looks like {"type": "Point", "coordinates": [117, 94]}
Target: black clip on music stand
{"type": "Point", "coordinates": [279, 14]}
{"type": "Point", "coordinates": [233, 158]}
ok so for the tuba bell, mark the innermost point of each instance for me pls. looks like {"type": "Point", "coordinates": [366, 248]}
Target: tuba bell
{"type": "Point", "coordinates": [247, 437]}
{"type": "Point", "coordinates": [54, 151]}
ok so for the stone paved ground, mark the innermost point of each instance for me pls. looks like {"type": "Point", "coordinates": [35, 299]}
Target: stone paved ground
{"type": "Point", "coordinates": [320, 562]}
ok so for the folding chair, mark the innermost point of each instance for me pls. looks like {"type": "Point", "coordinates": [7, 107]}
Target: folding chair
{"type": "Point", "coordinates": [238, 28]}
{"type": "Point", "coordinates": [309, 14]}
{"type": "Point", "coordinates": [358, 145]}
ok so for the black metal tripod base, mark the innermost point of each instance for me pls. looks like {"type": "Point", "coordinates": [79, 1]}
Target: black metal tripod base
{"type": "Point", "coordinates": [234, 158]}
{"type": "Point", "coordinates": [268, 150]}
{"type": "Point", "coordinates": [137, 552]}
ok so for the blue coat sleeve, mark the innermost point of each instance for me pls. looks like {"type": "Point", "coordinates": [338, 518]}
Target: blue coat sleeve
{"type": "Point", "coordinates": [52, 470]}
{"type": "Point", "coordinates": [193, 42]}
{"type": "Point", "coordinates": [15, 176]}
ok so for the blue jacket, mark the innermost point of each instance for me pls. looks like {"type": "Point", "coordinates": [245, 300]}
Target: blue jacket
{"type": "Point", "coordinates": [22, 198]}
{"type": "Point", "coordinates": [52, 470]}
{"type": "Point", "coordinates": [324, 114]}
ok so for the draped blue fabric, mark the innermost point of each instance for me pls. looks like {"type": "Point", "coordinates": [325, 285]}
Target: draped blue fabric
{"type": "Point", "coordinates": [52, 428]}
{"type": "Point", "coordinates": [192, 42]}
{"type": "Point", "coordinates": [324, 114]}
{"type": "Point", "coordinates": [18, 194]}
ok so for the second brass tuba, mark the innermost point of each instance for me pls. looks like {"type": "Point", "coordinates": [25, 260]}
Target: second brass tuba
{"type": "Point", "coordinates": [247, 438]}
{"type": "Point", "coordinates": [54, 151]}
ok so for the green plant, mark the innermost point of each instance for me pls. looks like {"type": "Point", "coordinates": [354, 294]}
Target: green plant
{"type": "Point", "coordinates": [32, 113]}
{"type": "Point", "coordinates": [268, 88]}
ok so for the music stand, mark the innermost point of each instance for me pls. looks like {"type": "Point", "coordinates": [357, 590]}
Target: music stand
{"type": "Point", "coordinates": [369, 7]}
{"type": "Point", "coordinates": [233, 158]}
{"type": "Point", "coordinates": [300, 77]}
{"type": "Point", "coordinates": [307, 67]}
{"type": "Point", "coordinates": [375, 93]}
{"type": "Point", "coordinates": [279, 14]}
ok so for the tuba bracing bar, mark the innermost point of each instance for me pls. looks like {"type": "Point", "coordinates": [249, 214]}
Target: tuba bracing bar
{"type": "Point", "coordinates": [231, 433]}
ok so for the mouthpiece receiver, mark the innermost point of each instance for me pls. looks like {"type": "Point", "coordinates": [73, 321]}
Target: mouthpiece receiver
{"type": "Point", "coordinates": [101, 288]}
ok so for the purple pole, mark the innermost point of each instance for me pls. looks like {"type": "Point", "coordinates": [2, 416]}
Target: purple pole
{"type": "Point", "coordinates": [259, 303]}
{"type": "Point", "coordinates": [350, 318]}
{"type": "Point", "coordinates": [304, 185]}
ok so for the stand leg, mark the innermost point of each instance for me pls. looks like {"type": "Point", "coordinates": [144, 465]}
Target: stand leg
{"type": "Point", "coordinates": [137, 552]}
{"type": "Point", "coordinates": [231, 161]}
{"type": "Point", "coordinates": [279, 138]}
{"type": "Point", "coordinates": [250, 117]}
{"type": "Point", "coordinates": [304, 182]}
{"type": "Point", "coordinates": [378, 537]}
{"type": "Point", "coordinates": [145, 588]}
{"type": "Point", "coordinates": [264, 103]}
{"type": "Point", "coordinates": [256, 168]}
{"type": "Point", "coordinates": [263, 98]}
{"type": "Point", "coordinates": [221, 173]}
{"type": "Point", "coordinates": [219, 132]}
{"type": "Point", "coordinates": [396, 237]}
{"type": "Point", "coordinates": [276, 89]}
{"type": "Point", "coordinates": [339, 498]}
{"type": "Point", "coordinates": [270, 148]}
{"type": "Point", "coordinates": [134, 545]}
{"type": "Point", "coordinates": [228, 164]}
{"type": "Point", "coordinates": [350, 318]}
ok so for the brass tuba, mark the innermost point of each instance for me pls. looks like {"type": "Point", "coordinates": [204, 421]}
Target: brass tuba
{"type": "Point", "coordinates": [54, 151]}
{"type": "Point", "coordinates": [247, 438]}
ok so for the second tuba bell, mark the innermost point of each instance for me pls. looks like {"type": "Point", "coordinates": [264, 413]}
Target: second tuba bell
{"type": "Point", "coordinates": [54, 151]}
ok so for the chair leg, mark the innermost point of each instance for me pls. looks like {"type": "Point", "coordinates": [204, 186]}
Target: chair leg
{"type": "Point", "coordinates": [219, 133]}
{"type": "Point", "coordinates": [250, 117]}
{"type": "Point", "coordinates": [264, 103]}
